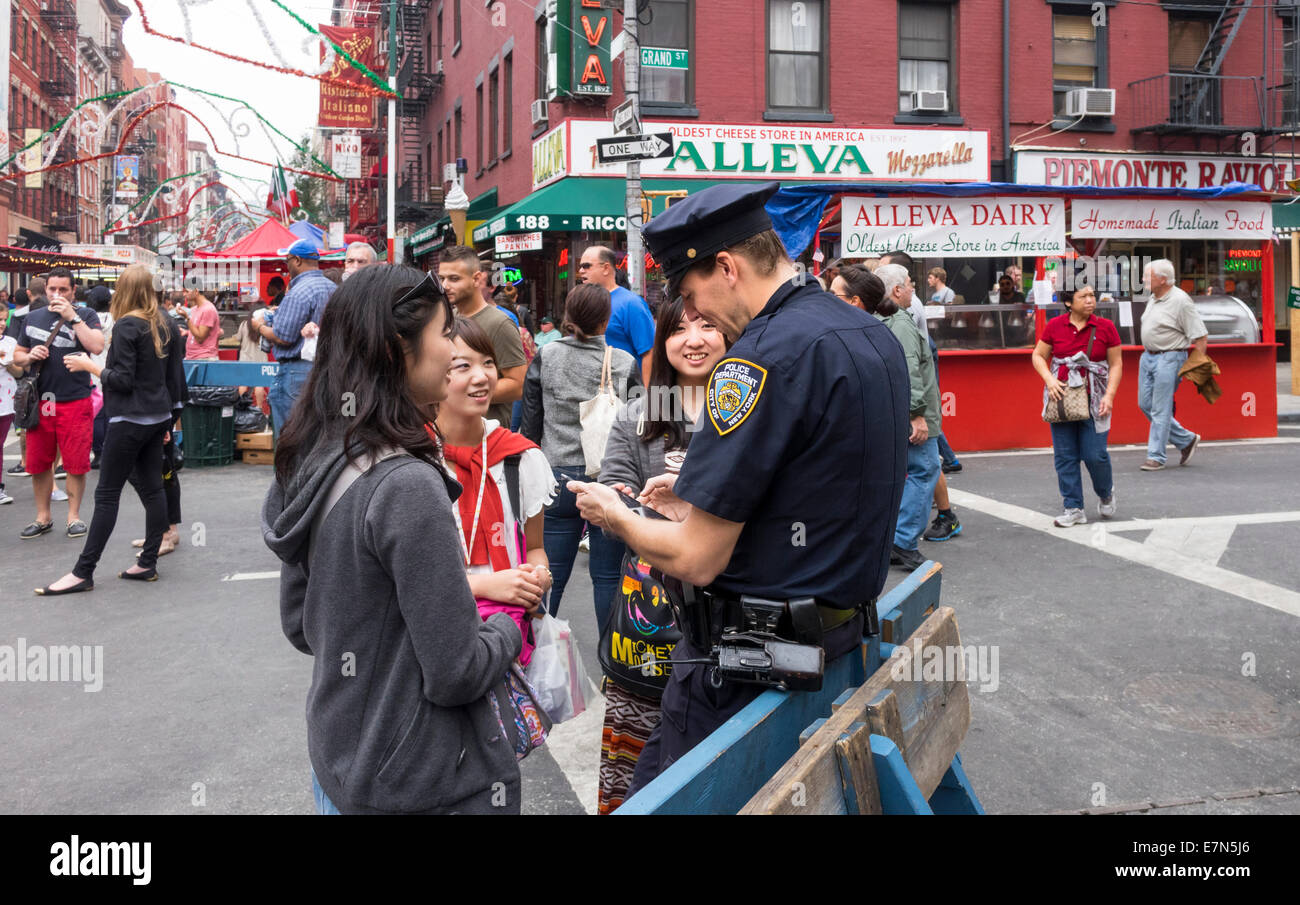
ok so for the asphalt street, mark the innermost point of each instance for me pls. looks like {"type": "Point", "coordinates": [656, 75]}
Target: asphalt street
{"type": "Point", "coordinates": [1147, 662]}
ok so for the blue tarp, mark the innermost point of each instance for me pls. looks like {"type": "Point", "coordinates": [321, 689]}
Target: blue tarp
{"type": "Point", "coordinates": [797, 208]}
{"type": "Point", "coordinates": [304, 229]}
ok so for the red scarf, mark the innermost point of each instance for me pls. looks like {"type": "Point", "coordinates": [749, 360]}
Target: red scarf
{"type": "Point", "coordinates": [468, 461]}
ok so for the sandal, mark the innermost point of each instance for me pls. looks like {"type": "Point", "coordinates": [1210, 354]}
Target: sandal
{"type": "Point", "coordinates": [163, 549]}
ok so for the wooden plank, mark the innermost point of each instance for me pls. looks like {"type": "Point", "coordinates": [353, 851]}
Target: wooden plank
{"type": "Point", "coordinates": [931, 727]}
{"type": "Point", "coordinates": [858, 771]}
{"type": "Point", "coordinates": [811, 730]}
{"type": "Point", "coordinates": [884, 719]}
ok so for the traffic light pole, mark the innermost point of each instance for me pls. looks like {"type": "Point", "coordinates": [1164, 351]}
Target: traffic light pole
{"type": "Point", "coordinates": [631, 87]}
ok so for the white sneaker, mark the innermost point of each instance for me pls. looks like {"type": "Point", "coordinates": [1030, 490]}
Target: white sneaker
{"type": "Point", "coordinates": [5, 498]}
{"type": "Point", "coordinates": [58, 495]}
{"type": "Point", "coordinates": [1106, 508]}
{"type": "Point", "coordinates": [1071, 517]}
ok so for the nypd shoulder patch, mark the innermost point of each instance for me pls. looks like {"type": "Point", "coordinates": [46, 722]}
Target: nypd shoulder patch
{"type": "Point", "coordinates": [734, 389]}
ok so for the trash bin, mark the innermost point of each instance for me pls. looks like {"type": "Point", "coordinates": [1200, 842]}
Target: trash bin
{"type": "Point", "coordinates": [208, 433]}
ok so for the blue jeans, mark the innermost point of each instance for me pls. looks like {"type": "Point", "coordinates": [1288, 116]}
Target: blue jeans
{"type": "Point", "coordinates": [945, 452]}
{"type": "Point", "coordinates": [561, 534]}
{"type": "Point", "coordinates": [1078, 441]}
{"type": "Point", "coordinates": [289, 382]}
{"type": "Point", "coordinates": [918, 491]}
{"type": "Point", "coordinates": [1157, 381]}
{"type": "Point", "coordinates": [323, 804]}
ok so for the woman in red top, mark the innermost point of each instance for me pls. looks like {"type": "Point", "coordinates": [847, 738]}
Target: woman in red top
{"type": "Point", "coordinates": [506, 564]}
{"type": "Point", "coordinates": [1079, 348]}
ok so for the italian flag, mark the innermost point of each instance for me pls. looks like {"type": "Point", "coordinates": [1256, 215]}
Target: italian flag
{"type": "Point", "coordinates": [281, 200]}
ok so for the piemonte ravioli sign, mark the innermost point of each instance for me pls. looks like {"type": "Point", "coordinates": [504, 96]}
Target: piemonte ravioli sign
{"type": "Point", "coordinates": [730, 151]}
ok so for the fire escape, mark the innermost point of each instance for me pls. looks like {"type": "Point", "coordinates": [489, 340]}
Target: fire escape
{"type": "Point", "coordinates": [419, 191]}
{"type": "Point", "coordinates": [1201, 101]}
{"type": "Point", "coordinates": [59, 87]}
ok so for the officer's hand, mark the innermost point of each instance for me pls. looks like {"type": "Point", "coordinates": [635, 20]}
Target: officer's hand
{"type": "Point", "coordinates": [658, 495]}
{"type": "Point", "coordinates": [595, 501]}
{"type": "Point", "coordinates": [920, 433]}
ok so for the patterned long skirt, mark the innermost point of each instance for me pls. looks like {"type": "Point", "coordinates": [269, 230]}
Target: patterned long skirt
{"type": "Point", "coordinates": [629, 720]}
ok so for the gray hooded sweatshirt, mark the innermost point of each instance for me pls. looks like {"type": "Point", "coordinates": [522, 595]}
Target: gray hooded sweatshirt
{"type": "Point", "coordinates": [398, 718]}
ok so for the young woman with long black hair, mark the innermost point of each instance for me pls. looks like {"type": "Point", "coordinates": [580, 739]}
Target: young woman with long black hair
{"type": "Point", "coordinates": [373, 584]}
{"type": "Point", "coordinates": [144, 381]}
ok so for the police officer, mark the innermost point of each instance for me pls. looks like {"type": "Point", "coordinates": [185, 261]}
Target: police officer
{"type": "Point", "coordinates": [792, 484]}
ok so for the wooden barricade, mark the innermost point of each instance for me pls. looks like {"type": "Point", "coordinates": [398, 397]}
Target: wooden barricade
{"type": "Point", "coordinates": [855, 761]}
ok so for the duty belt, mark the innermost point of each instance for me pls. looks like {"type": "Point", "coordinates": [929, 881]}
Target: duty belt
{"type": "Point", "coordinates": [708, 613]}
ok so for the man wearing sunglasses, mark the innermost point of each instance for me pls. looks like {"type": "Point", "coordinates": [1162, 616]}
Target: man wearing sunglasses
{"type": "Point", "coordinates": [304, 302]}
{"type": "Point", "coordinates": [631, 325]}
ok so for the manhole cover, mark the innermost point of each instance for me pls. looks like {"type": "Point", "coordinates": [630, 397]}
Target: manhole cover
{"type": "Point", "coordinates": [1207, 704]}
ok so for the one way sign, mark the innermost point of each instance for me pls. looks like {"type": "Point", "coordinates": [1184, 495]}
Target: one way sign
{"type": "Point", "coordinates": [634, 147]}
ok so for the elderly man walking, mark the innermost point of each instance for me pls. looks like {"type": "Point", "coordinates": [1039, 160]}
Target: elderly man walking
{"type": "Point", "coordinates": [1170, 327]}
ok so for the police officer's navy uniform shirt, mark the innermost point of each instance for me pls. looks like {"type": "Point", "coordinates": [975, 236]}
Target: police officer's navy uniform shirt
{"type": "Point", "coordinates": [804, 439]}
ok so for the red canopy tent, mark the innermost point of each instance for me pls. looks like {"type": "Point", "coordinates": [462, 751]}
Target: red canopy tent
{"type": "Point", "coordinates": [263, 242]}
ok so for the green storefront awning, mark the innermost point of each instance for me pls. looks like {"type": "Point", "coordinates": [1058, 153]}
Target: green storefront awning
{"type": "Point", "coordinates": [1286, 217]}
{"type": "Point", "coordinates": [578, 204]}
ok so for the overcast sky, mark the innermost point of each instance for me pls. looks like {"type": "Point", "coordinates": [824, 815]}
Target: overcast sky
{"type": "Point", "coordinates": [288, 102]}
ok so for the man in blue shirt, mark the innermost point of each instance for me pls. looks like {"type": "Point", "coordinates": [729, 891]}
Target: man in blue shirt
{"type": "Point", "coordinates": [304, 303]}
{"type": "Point", "coordinates": [631, 325]}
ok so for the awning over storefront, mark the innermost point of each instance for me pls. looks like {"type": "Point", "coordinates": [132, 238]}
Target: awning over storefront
{"type": "Point", "coordinates": [578, 204]}
{"type": "Point", "coordinates": [433, 236]}
{"type": "Point", "coordinates": [1286, 218]}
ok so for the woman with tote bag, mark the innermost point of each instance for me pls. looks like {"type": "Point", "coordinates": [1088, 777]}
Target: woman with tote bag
{"type": "Point", "coordinates": [562, 379]}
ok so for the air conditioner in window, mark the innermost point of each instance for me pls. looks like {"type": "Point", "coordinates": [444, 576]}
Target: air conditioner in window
{"type": "Point", "coordinates": [438, 68]}
{"type": "Point", "coordinates": [539, 112]}
{"type": "Point", "coordinates": [1090, 102]}
{"type": "Point", "coordinates": [929, 101]}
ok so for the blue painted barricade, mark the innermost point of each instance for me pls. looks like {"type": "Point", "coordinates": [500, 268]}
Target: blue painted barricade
{"type": "Point", "coordinates": [230, 373]}
{"type": "Point", "coordinates": [729, 769]}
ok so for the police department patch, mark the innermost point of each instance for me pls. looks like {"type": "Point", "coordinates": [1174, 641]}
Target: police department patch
{"type": "Point", "coordinates": [733, 392]}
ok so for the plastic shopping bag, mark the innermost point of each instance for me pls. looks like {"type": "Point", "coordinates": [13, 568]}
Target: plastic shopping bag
{"type": "Point", "coordinates": [556, 672]}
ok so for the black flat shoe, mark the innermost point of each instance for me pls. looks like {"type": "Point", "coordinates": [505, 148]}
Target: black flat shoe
{"type": "Point", "coordinates": [84, 585]}
{"type": "Point", "coordinates": [151, 575]}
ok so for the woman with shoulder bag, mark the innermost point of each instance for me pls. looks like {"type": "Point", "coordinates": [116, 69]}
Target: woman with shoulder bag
{"type": "Point", "coordinates": [360, 513]}
{"type": "Point", "coordinates": [499, 513]}
{"type": "Point", "coordinates": [650, 438]}
{"type": "Point", "coordinates": [564, 375]}
{"type": "Point", "coordinates": [1080, 361]}
{"type": "Point", "coordinates": [143, 378]}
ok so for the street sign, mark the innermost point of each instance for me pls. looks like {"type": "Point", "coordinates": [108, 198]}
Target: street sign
{"type": "Point", "coordinates": [665, 58]}
{"type": "Point", "coordinates": [1293, 297]}
{"type": "Point", "coordinates": [626, 122]}
{"type": "Point", "coordinates": [634, 147]}
{"type": "Point", "coordinates": [347, 154]}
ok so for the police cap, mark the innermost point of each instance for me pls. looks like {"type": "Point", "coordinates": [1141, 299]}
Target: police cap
{"type": "Point", "coordinates": [705, 223]}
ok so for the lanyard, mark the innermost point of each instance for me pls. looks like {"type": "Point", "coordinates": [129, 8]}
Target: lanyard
{"type": "Point", "coordinates": [468, 540]}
